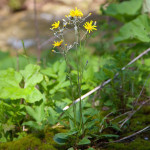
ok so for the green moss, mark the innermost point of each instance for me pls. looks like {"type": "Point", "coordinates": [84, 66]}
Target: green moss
{"type": "Point", "coordinates": [22, 144]}
{"type": "Point", "coordinates": [140, 120]}
{"type": "Point", "coordinates": [137, 144]}
{"type": "Point", "coordinates": [35, 141]}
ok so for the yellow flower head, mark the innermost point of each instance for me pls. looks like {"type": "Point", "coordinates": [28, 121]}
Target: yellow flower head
{"type": "Point", "coordinates": [89, 27]}
{"type": "Point", "coordinates": [58, 43]}
{"type": "Point", "coordinates": [76, 13]}
{"type": "Point", "coordinates": [55, 25]}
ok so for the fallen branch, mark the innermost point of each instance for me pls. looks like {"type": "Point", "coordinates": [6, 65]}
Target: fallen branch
{"type": "Point", "coordinates": [108, 81]}
{"type": "Point", "coordinates": [127, 137]}
{"type": "Point", "coordinates": [133, 112]}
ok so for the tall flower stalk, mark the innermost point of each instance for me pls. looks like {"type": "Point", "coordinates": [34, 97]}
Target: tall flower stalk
{"type": "Point", "coordinates": [76, 20]}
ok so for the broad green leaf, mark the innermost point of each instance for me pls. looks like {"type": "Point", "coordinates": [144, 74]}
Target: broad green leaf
{"type": "Point", "coordinates": [124, 11]}
{"type": "Point", "coordinates": [49, 72]}
{"type": "Point", "coordinates": [62, 68]}
{"type": "Point", "coordinates": [33, 124]}
{"type": "Point", "coordinates": [10, 84]}
{"type": "Point", "coordinates": [10, 78]}
{"type": "Point", "coordinates": [53, 116]}
{"type": "Point", "coordinates": [61, 138]}
{"type": "Point", "coordinates": [88, 74]}
{"type": "Point", "coordinates": [31, 75]}
{"type": "Point", "coordinates": [37, 113]}
{"type": "Point", "coordinates": [137, 30]}
{"type": "Point", "coordinates": [30, 94]}
{"type": "Point", "coordinates": [56, 66]}
{"type": "Point", "coordinates": [34, 96]}
{"type": "Point", "coordinates": [84, 141]}
{"type": "Point", "coordinates": [10, 87]}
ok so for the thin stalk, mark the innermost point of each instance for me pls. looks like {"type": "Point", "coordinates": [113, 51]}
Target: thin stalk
{"type": "Point", "coordinates": [79, 75]}
{"type": "Point", "coordinates": [70, 79]}
{"type": "Point", "coordinates": [71, 85]}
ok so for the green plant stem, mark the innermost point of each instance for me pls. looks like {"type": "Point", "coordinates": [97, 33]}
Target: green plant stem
{"type": "Point", "coordinates": [71, 84]}
{"type": "Point", "coordinates": [79, 70]}
{"type": "Point", "coordinates": [70, 79]}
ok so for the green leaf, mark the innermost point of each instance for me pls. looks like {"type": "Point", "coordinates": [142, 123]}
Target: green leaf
{"type": "Point", "coordinates": [33, 124]}
{"type": "Point", "coordinates": [53, 118]}
{"type": "Point", "coordinates": [10, 84]}
{"type": "Point", "coordinates": [135, 31]}
{"type": "Point", "coordinates": [34, 96]}
{"type": "Point", "coordinates": [10, 78]}
{"type": "Point", "coordinates": [84, 141]}
{"type": "Point", "coordinates": [37, 113]}
{"type": "Point", "coordinates": [31, 75]}
{"type": "Point", "coordinates": [90, 148]}
{"type": "Point", "coordinates": [61, 138]}
{"type": "Point", "coordinates": [124, 11]}
{"type": "Point", "coordinates": [88, 74]}
{"type": "Point", "coordinates": [109, 135]}
{"type": "Point", "coordinates": [49, 72]}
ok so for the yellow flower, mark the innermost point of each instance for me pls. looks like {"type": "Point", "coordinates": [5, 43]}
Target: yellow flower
{"type": "Point", "coordinates": [55, 25]}
{"type": "Point", "coordinates": [75, 13]}
{"type": "Point", "coordinates": [58, 43]}
{"type": "Point", "coordinates": [89, 27]}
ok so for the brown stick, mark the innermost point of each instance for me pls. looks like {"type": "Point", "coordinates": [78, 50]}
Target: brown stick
{"type": "Point", "coordinates": [127, 137]}
{"type": "Point", "coordinates": [133, 112]}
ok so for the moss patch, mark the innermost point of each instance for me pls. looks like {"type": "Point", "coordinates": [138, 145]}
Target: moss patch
{"type": "Point", "coordinates": [137, 144]}
{"type": "Point", "coordinates": [35, 142]}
